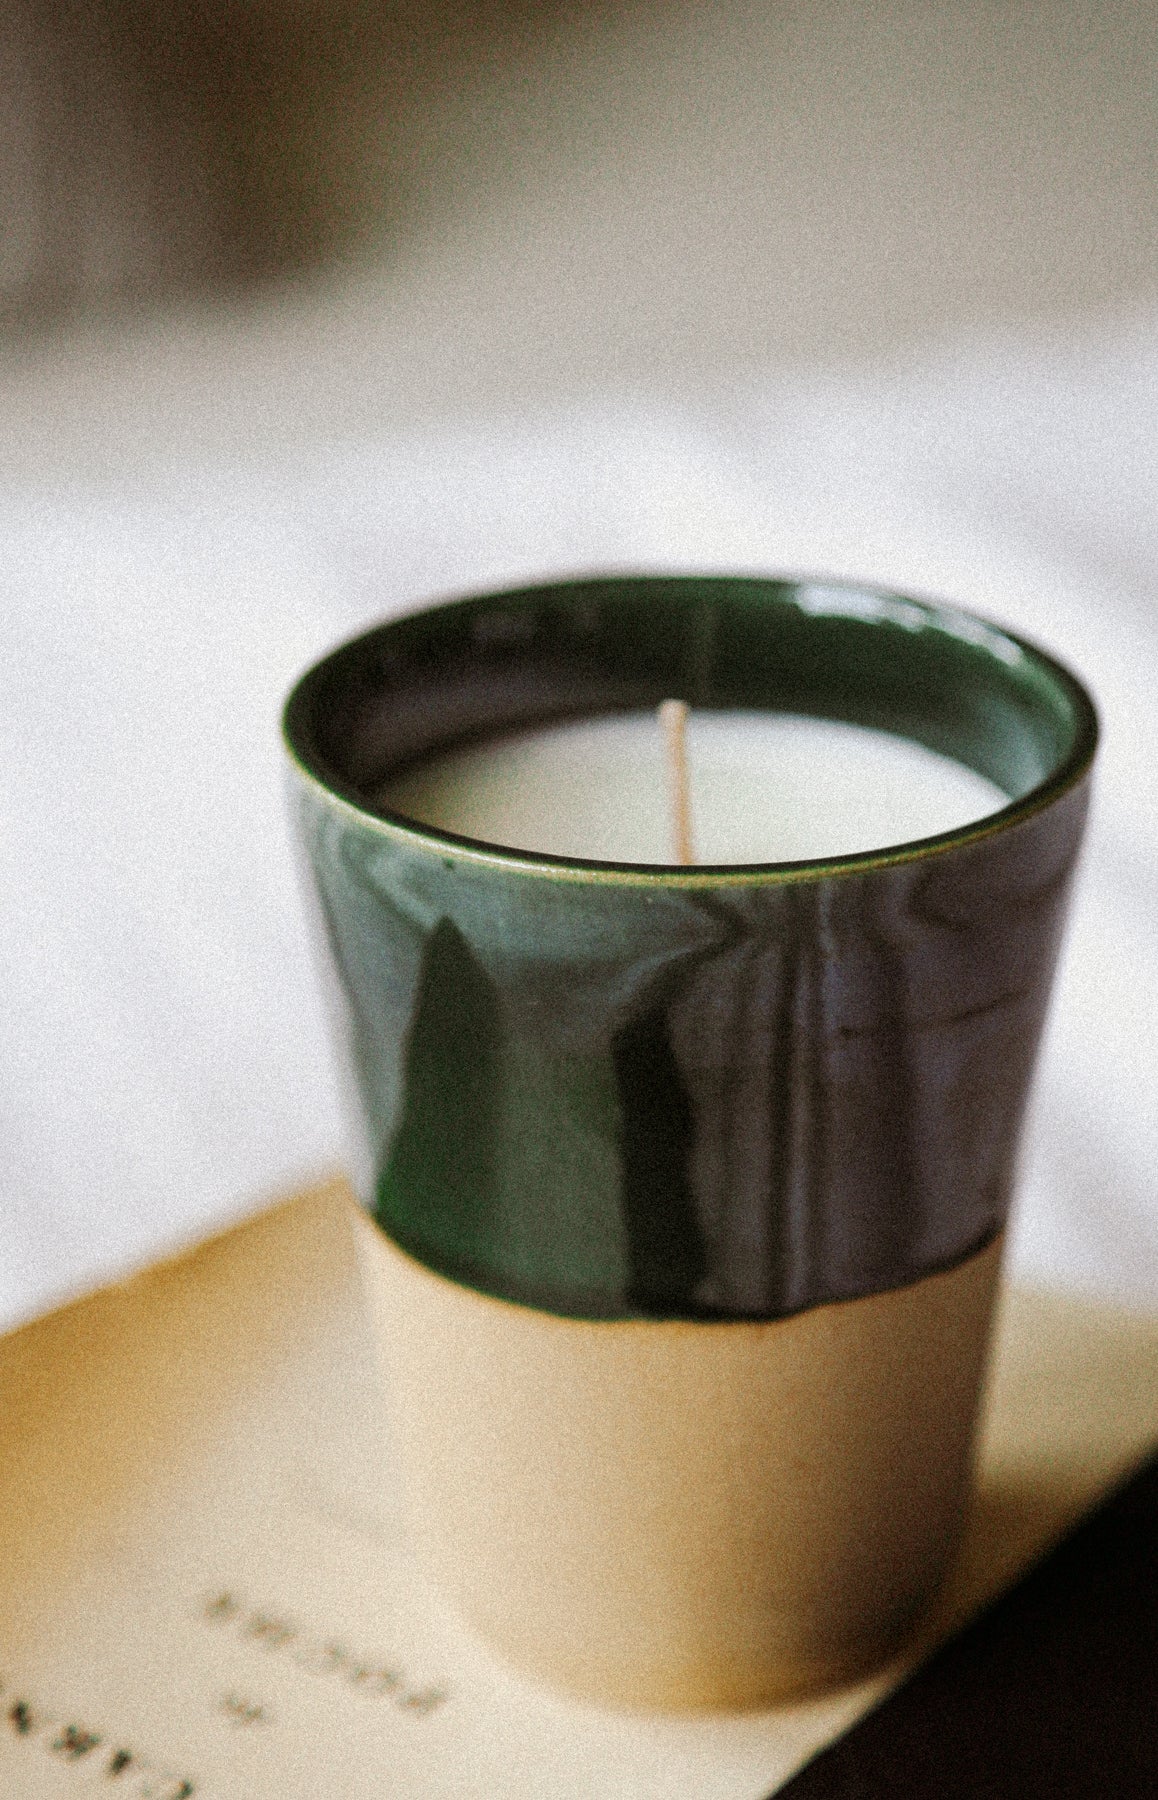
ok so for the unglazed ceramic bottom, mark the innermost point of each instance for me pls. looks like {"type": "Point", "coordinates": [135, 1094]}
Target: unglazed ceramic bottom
{"type": "Point", "coordinates": [668, 1515]}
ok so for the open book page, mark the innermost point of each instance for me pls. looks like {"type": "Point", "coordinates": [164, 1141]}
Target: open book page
{"type": "Point", "coordinates": [208, 1590]}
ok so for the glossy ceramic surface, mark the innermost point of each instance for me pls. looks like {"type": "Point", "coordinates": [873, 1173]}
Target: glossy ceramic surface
{"type": "Point", "coordinates": [614, 1091]}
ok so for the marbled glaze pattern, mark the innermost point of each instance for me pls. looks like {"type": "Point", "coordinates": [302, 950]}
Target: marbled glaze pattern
{"type": "Point", "coordinates": [615, 1092]}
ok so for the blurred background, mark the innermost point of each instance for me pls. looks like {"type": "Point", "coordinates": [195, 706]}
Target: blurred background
{"type": "Point", "coordinates": [312, 309]}
{"type": "Point", "coordinates": [457, 199]}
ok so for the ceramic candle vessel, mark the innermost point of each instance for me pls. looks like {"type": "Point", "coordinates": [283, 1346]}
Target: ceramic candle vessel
{"type": "Point", "coordinates": [689, 1184]}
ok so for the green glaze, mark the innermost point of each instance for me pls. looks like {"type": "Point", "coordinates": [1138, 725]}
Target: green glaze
{"type": "Point", "coordinates": [617, 1091]}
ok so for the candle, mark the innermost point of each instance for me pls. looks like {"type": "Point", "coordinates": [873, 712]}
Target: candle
{"type": "Point", "coordinates": [688, 1183]}
{"type": "Point", "coordinates": [765, 788]}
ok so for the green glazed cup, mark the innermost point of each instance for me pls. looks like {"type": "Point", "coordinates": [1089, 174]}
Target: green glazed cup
{"type": "Point", "coordinates": [711, 1093]}
{"type": "Point", "coordinates": [628, 1097]}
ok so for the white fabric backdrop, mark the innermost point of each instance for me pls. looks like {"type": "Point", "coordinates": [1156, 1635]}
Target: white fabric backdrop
{"type": "Point", "coordinates": [162, 1058]}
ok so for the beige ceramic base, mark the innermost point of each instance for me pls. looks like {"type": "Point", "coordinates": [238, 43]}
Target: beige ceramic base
{"type": "Point", "coordinates": [674, 1515]}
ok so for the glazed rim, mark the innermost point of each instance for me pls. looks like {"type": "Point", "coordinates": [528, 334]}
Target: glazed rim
{"type": "Point", "coordinates": [503, 662]}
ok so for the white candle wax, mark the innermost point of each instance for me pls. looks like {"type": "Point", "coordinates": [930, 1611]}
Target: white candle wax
{"type": "Point", "coordinates": [765, 787]}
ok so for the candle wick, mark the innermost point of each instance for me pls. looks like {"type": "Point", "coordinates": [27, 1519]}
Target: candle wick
{"type": "Point", "coordinates": [673, 721]}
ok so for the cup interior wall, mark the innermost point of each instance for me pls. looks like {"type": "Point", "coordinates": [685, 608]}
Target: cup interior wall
{"type": "Point", "coordinates": [481, 667]}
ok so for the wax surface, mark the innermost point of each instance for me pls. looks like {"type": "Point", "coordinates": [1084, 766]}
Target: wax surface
{"type": "Point", "coordinates": [764, 788]}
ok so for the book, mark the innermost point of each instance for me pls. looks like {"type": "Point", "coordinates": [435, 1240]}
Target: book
{"type": "Point", "coordinates": [208, 1593]}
